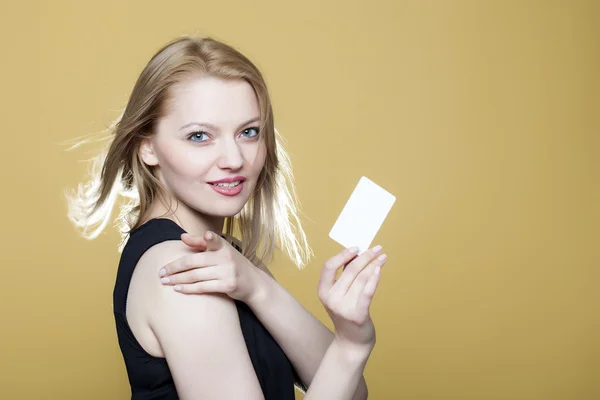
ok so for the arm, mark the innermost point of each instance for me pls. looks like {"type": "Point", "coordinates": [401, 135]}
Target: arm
{"type": "Point", "coordinates": [202, 340]}
{"type": "Point", "coordinates": [339, 374]}
{"type": "Point", "coordinates": [330, 361]}
{"type": "Point", "coordinates": [303, 338]}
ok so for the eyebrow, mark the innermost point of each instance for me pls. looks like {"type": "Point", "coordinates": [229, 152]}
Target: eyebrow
{"type": "Point", "coordinates": [211, 126]}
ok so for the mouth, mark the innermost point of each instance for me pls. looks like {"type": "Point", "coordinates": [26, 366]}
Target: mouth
{"type": "Point", "coordinates": [227, 184]}
{"type": "Point", "coordinates": [228, 187]}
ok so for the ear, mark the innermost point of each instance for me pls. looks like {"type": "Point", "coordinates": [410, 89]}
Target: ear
{"type": "Point", "coordinates": [147, 152]}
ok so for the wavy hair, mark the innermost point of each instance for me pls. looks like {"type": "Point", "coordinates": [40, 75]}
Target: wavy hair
{"type": "Point", "coordinates": [270, 217]}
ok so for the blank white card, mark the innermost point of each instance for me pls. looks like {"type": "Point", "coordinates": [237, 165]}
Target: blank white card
{"type": "Point", "coordinates": [363, 215]}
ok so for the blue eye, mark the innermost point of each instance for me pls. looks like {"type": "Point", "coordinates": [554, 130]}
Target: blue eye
{"type": "Point", "coordinates": [197, 136]}
{"type": "Point", "coordinates": [248, 132]}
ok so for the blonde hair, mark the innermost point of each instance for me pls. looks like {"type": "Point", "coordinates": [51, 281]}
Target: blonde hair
{"type": "Point", "coordinates": [270, 217]}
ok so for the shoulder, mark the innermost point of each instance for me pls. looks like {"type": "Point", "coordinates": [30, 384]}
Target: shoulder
{"type": "Point", "coordinates": [200, 335]}
{"type": "Point", "coordinates": [177, 318]}
{"type": "Point", "coordinates": [162, 304]}
{"type": "Point", "coordinates": [157, 257]}
{"type": "Point", "coordinates": [162, 253]}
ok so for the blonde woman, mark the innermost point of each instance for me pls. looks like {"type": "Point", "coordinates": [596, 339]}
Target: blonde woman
{"type": "Point", "coordinates": [197, 312]}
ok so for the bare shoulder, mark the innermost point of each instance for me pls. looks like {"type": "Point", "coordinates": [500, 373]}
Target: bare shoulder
{"type": "Point", "coordinates": [164, 297]}
{"type": "Point", "coordinates": [162, 253]}
{"type": "Point", "coordinates": [199, 335]}
{"type": "Point", "coordinates": [144, 293]}
{"type": "Point", "coordinates": [145, 282]}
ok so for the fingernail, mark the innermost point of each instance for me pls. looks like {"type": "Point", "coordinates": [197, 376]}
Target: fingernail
{"type": "Point", "coordinates": [382, 257]}
{"type": "Point", "coordinates": [353, 249]}
{"type": "Point", "coordinates": [209, 235]}
{"type": "Point", "coordinates": [165, 280]}
{"type": "Point", "coordinates": [377, 248]}
{"type": "Point", "coordinates": [177, 287]}
{"type": "Point", "coordinates": [162, 272]}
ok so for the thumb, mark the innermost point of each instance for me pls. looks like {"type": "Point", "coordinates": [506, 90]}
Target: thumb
{"type": "Point", "coordinates": [194, 241]}
{"type": "Point", "coordinates": [213, 241]}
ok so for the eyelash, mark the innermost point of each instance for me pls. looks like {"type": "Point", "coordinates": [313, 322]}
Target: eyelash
{"type": "Point", "coordinates": [191, 135]}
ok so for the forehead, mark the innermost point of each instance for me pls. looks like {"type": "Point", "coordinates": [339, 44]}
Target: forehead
{"type": "Point", "coordinates": [213, 100]}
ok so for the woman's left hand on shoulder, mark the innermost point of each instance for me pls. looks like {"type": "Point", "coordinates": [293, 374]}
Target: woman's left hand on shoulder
{"type": "Point", "coordinates": [216, 267]}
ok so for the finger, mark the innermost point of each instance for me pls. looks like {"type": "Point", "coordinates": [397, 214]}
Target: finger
{"type": "Point", "coordinates": [353, 269]}
{"type": "Point", "coordinates": [331, 266]}
{"type": "Point", "coordinates": [214, 286]}
{"type": "Point", "coordinates": [365, 298]}
{"type": "Point", "coordinates": [192, 276]}
{"type": "Point", "coordinates": [359, 284]}
{"type": "Point", "coordinates": [194, 241]}
{"type": "Point", "coordinates": [191, 261]}
{"type": "Point", "coordinates": [214, 242]}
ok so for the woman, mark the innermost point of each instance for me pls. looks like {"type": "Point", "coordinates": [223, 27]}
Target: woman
{"type": "Point", "coordinates": [198, 315]}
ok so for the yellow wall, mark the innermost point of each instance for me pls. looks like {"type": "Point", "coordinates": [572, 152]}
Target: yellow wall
{"type": "Point", "coordinates": [481, 117]}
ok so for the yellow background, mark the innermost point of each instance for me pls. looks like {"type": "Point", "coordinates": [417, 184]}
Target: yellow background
{"type": "Point", "coordinates": [480, 116]}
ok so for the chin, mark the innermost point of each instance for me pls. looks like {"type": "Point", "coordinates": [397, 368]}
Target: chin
{"type": "Point", "coordinates": [224, 209]}
{"type": "Point", "coordinates": [225, 212]}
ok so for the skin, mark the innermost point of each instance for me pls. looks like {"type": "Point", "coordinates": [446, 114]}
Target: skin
{"type": "Point", "coordinates": [189, 315]}
{"type": "Point", "coordinates": [220, 139]}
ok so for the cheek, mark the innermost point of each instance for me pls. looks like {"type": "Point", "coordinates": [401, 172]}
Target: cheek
{"type": "Point", "coordinates": [184, 161]}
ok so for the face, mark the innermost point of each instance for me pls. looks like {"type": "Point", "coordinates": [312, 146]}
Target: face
{"type": "Point", "coordinates": [209, 133]}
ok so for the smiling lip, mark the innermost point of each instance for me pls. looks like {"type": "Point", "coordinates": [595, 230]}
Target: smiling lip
{"type": "Point", "coordinates": [234, 191]}
{"type": "Point", "coordinates": [229, 180]}
{"type": "Point", "coordinates": [227, 191]}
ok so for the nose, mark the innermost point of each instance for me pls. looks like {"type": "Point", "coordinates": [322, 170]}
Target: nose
{"type": "Point", "coordinates": [230, 156]}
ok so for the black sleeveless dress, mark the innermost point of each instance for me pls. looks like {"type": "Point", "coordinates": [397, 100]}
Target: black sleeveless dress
{"type": "Point", "coordinates": [149, 376]}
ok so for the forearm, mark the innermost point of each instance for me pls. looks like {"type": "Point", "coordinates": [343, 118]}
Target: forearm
{"type": "Point", "coordinates": [303, 338]}
{"type": "Point", "coordinates": [338, 376]}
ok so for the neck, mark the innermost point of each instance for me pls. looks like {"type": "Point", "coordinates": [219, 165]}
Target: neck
{"type": "Point", "coordinates": [189, 219]}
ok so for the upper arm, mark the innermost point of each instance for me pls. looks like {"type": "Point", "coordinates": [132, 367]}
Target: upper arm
{"type": "Point", "coordinates": [202, 341]}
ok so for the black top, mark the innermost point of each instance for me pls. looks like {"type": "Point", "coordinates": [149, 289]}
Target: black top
{"type": "Point", "coordinates": [149, 376]}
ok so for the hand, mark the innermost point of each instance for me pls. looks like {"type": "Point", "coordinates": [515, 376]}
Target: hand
{"type": "Point", "coordinates": [348, 299]}
{"type": "Point", "coordinates": [217, 267]}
